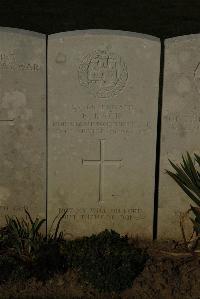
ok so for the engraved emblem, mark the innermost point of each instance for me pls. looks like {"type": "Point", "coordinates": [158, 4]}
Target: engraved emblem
{"type": "Point", "coordinates": [103, 73]}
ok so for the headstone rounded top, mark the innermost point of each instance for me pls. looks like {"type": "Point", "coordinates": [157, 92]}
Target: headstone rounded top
{"type": "Point", "coordinates": [182, 38]}
{"type": "Point", "coordinates": [21, 31]}
{"type": "Point", "coordinates": [104, 32]}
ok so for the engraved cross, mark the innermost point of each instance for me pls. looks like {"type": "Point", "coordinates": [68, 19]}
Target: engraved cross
{"type": "Point", "coordinates": [6, 120]}
{"type": "Point", "coordinates": [101, 163]}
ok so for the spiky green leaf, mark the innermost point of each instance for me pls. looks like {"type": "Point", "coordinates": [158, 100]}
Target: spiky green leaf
{"type": "Point", "coordinates": [185, 189]}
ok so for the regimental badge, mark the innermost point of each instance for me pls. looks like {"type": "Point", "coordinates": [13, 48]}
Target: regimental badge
{"type": "Point", "coordinates": [103, 73]}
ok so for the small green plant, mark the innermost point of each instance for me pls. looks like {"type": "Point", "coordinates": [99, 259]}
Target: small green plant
{"type": "Point", "coordinates": [23, 235]}
{"type": "Point", "coordinates": [54, 235]}
{"type": "Point", "coordinates": [107, 261]}
{"type": "Point", "coordinates": [50, 257]}
{"type": "Point", "coordinates": [187, 176]}
{"type": "Point", "coordinates": [22, 244]}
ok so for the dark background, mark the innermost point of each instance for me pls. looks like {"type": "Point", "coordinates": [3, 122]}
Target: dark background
{"type": "Point", "coordinates": [159, 18]}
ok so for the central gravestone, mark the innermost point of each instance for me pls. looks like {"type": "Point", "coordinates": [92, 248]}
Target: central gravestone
{"type": "Point", "coordinates": [103, 95]}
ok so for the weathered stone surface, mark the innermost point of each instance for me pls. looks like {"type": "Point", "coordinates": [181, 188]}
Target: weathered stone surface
{"type": "Point", "coordinates": [103, 95]}
{"type": "Point", "coordinates": [180, 127]}
{"type": "Point", "coordinates": [22, 122]}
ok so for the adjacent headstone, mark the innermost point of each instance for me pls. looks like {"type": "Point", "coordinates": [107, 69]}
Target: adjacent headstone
{"type": "Point", "coordinates": [102, 104]}
{"type": "Point", "coordinates": [22, 122]}
{"type": "Point", "coordinates": [180, 127]}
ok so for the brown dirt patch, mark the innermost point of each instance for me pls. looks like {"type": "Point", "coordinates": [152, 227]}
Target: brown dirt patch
{"type": "Point", "coordinates": [171, 272]}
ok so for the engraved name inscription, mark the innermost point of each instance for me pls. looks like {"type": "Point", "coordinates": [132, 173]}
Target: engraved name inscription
{"type": "Point", "coordinates": [102, 119]}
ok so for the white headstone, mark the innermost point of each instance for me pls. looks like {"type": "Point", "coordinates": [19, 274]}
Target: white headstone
{"type": "Point", "coordinates": [103, 96]}
{"type": "Point", "coordinates": [180, 127]}
{"type": "Point", "coordinates": [22, 122]}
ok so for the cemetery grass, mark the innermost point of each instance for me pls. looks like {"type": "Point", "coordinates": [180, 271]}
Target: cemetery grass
{"type": "Point", "coordinates": [169, 272]}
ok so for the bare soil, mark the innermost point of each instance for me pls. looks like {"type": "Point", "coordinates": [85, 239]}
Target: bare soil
{"type": "Point", "coordinates": [170, 272]}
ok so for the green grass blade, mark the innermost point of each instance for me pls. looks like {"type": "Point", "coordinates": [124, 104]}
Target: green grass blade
{"type": "Point", "coordinates": [196, 211]}
{"type": "Point", "coordinates": [37, 225]}
{"type": "Point", "coordinates": [29, 216]}
{"type": "Point", "coordinates": [58, 224]}
{"type": "Point", "coordinates": [51, 227]}
{"type": "Point", "coordinates": [191, 169]}
{"type": "Point", "coordinates": [186, 177]}
{"type": "Point", "coordinates": [197, 157]}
